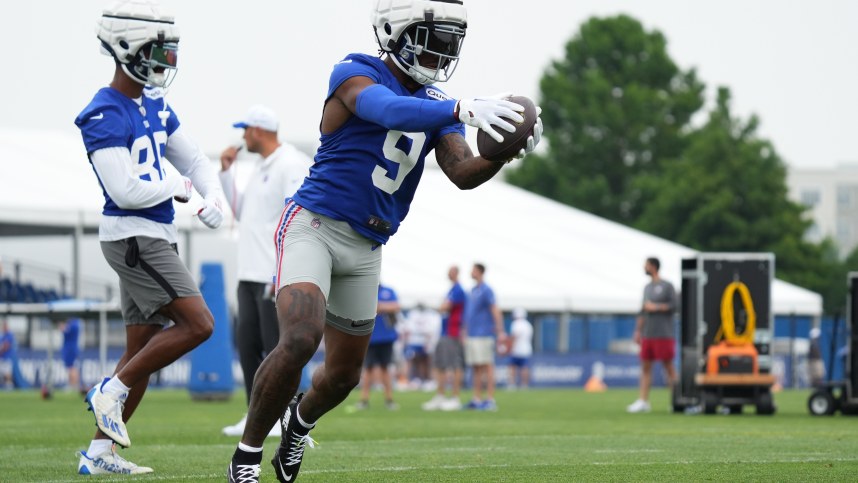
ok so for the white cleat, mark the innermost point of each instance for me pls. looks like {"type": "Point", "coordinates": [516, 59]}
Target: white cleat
{"type": "Point", "coordinates": [108, 463]}
{"type": "Point", "coordinates": [108, 415]}
{"type": "Point", "coordinates": [237, 429]}
{"type": "Point", "coordinates": [639, 406]}
{"type": "Point", "coordinates": [433, 404]}
{"type": "Point", "coordinates": [451, 404]}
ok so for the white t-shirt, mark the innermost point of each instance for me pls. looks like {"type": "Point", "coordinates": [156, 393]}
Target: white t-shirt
{"type": "Point", "coordinates": [258, 207]}
{"type": "Point", "coordinates": [522, 335]}
{"type": "Point", "coordinates": [422, 328]}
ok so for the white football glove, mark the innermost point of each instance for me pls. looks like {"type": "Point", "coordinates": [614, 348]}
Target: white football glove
{"type": "Point", "coordinates": [183, 190]}
{"type": "Point", "coordinates": [211, 213]}
{"type": "Point", "coordinates": [485, 112]}
{"type": "Point", "coordinates": [533, 140]}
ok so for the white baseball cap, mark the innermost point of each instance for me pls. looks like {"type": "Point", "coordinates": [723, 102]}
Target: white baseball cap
{"type": "Point", "coordinates": [261, 117]}
{"type": "Point", "coordinates": [519, 313]}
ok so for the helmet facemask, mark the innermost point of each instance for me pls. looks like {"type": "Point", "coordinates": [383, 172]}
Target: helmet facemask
{"type": "Point", "coordinates": [154, 64]}
{"type": "Point", "coordinates": [429, 51]}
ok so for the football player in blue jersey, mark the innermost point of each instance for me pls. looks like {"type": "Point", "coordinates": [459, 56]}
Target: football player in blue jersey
{"type": "Point", "coordinates": [382, 116]}
{"type": "Point", "coordinates": [130, 133]}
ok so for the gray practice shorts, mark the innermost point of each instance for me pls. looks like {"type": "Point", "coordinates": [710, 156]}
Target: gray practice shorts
{"type": "Point", "coordinates": [449, 354]}
{"type": "Point", "coordinates": [344, 264]}
{"type": "Point", "coordinates": [480, 351]}
{"type": "Point", "coordinates": [151, 275]}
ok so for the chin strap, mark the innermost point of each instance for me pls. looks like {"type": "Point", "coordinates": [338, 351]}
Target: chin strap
{"type": "Point", "coordinates": [164, 114]}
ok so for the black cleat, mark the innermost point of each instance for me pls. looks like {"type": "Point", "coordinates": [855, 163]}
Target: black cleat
{"type": "Point", "coordinates": [293, 440]}
{"type": "Point", "coordinates": [237, 473]}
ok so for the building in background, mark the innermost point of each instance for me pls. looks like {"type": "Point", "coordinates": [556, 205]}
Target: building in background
{"type": "Point", "coordinates": [831, 196]}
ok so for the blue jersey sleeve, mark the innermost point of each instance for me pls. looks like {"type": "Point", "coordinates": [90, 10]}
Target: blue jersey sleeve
{"type": "Point", "coordinates": [380, 105]}
{"type": "Point", "coordinates": [467, 311]}
{"type": "Point", "coordinates": [351, 66]}
{"type": "Point", "coordinates": [457, 128]}
{"type": "Point", "coordinates": [102, 127]}
{"type": "Point", "coordinates": [490, 297]}
{"type": "Point", "coordinates": [457, 295]}
{"type": "Point", "coordinates": [433, 92]}
{"type": "Point", "coordinates": [172, 121]}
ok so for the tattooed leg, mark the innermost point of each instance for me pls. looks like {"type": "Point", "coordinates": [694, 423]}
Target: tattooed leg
{"type": "Point", "coordinates": [334, 380]}
{"type": "Point", "coordinates": [301, 313]}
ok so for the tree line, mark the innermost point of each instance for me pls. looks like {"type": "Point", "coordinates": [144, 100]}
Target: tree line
{"type": "Point", "coordinates": [622, 145]}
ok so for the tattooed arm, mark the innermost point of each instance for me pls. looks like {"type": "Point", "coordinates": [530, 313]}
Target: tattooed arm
{"type": "Point", "coordinates": [457, 161]}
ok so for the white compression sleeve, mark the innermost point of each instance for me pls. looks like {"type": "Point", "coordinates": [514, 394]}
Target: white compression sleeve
{"type": "Point", "coordinates": [115, 170]}
{"type": "Point", "coordinates": [189, 159]}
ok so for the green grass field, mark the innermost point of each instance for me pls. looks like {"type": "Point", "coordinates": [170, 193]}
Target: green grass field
{"type": "Point", "coordinates": [538, 435]}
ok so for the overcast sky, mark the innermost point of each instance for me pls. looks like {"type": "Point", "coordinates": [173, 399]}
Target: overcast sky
{"type": "Point", "coordinates": [794, 63]}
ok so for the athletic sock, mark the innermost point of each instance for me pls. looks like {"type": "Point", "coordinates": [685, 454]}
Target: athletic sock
{"type": "Point", "coordinates": [247, 455]}
{"type": "Point", "coordinates": [301, 420]}
{"type": "Point", "coordinates": [98, 446]}
{"type": "Point", "coordinates": [114, 388]}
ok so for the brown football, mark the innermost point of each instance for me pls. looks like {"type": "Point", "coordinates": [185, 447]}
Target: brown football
{"type": "Point", "coordinates": [513, 142]}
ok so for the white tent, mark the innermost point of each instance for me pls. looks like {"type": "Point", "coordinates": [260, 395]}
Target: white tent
{"type": "Point", "coordinates": [539, 254]}
{"type": "Point", "coordinates": [49, 188]}
{"type": "Point", "coordinates": [48, 185]}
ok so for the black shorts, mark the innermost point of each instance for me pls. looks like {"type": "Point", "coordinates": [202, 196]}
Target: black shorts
{"type": "Point", "coordinates": [378, 355]}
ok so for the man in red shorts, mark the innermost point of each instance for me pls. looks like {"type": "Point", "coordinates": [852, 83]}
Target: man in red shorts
{"type": "Point", "coordinates": [654, 332]}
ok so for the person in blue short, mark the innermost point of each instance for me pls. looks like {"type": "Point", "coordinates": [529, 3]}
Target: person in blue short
{"type": "Point", "coordinates": [381, 117]}
{"type": "Point", "coordinates": [8, 348]}
{"type": "Point", "coordinates": [379, 354]}
{"type": "Point", "coordinates": [71, 351]}
{"type": "Point", "coordinates": [521, 350]}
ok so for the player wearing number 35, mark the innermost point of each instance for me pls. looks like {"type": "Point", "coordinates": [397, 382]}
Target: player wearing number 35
{"type": "Point", "coordinates": [130, 134]}
{"type": "Point", "coordinates": [381, 117]}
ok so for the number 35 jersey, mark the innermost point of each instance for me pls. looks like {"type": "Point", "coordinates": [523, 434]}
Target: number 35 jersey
{"type": "Point", "coordinates": [113, 120]}
{"type": "Point", "coordinates": [364, 173]}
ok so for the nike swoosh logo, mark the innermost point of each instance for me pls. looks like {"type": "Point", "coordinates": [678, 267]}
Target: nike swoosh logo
{"type": "Point", "coordinates": [361, 325]}
{"type": "Point", "coordinates": [99, 116]}
{"type": "Point", "coordinates": [285, 476]}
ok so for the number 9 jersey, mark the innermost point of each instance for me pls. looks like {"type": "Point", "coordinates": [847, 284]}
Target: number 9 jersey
{"type": "Point", "coordinates": [364, 173]}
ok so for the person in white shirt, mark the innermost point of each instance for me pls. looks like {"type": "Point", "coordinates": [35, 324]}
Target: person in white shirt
{"type": "Point", "coordinates": [277, 173]}
{"type": "Point", "coordinates": [521, 332]}
{"type": "Point", "coordinates": [420, 336]}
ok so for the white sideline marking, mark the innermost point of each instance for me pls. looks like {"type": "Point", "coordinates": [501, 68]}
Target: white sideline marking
{"type": "Point", "coordinates": [396, 469]}
{"type": "Point", "coordinates": [624, 451]}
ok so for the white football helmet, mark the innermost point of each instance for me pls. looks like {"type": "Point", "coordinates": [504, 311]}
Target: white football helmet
{"type": "Point", "coordinates": [424, 37]}
{"type": "Point", "coordinates": [143, 38]}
